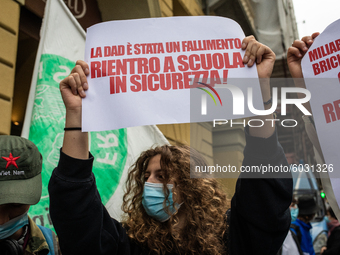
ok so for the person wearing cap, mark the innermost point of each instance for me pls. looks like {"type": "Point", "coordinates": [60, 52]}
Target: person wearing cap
{"type": "Point", "coordinates": [20, 187]}
{"type": "Point", "coordinates": [307, 211]}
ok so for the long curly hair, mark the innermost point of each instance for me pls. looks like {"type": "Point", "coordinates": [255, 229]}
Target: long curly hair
{"type": "Point", "coordinates": [204, 206]}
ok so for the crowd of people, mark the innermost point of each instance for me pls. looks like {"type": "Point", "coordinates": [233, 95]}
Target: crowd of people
{"type": "Point", "coordinates": [166, 211]}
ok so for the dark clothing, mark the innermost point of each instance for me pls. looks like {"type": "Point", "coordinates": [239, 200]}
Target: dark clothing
{"type": "Point", "coordinates": [333, 243]}
{"type": "Point", "coordinates": [259, 220]}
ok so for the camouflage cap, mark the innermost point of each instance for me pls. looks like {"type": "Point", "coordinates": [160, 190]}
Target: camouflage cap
{"type": "Point", "coordinates": [20, 171]}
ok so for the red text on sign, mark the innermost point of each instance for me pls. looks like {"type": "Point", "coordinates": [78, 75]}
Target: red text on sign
{"type": "Point", "coordinates": [332, 111]}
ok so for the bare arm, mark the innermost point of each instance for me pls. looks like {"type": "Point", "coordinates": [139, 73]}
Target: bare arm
{"type": "Point", "coordinates": [72, 90]}
{"type": "Point", "coordinates": [265, 59]}
{"type": "Point", "coordinates": [294, 57]}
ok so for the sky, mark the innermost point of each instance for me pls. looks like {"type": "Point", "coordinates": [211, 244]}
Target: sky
{"type": "Point", "coordinates": [315, 15]}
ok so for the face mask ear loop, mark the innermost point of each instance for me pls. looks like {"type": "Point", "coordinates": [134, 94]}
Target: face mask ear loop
{"type": "Point", "coordinates": [21, 240]}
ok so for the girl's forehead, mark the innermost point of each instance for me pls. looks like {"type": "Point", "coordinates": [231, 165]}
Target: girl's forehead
{"type": "Point", "coordinates": [154, 163]}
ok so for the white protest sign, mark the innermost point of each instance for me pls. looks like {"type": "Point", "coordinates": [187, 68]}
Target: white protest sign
{"type": "Point", "coordinates": [321, 70]}
{"type": "Point", "coordinates": [141, 71]}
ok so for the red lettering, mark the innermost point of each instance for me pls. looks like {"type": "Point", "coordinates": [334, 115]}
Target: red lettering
{"type": "Point", "coordinates": [323, 51]}
{"type": "Point", "coordinates": [149, 49]}
{"type": "Point", "coordinates": [328, 111]}
{"type": "Point", "coordinates": [332, 47]}
{"type": "Point", "coordinates": [214, 78]}
{"type": "Point", "coordinates": [151, 85]}
{"type": "Point", "coordinates": [218, 44]}
{"type": "Point", "coordinates": [192, 64]}
{"type": "Point", "coordinates": [226, 61]}
{"type": "Point", "coordinates": [186, 80]}
{"type": "Point", "coordinates": [313, 55]}
{"type": "Point", "coordinates": [323, 66]}
{"type": "Point", "coordinates": [121, 50]}
{"type": "Point", "coordinates": [154, 65]}
{"type": "Point", "coordinates": [132, 62]}
{"type": "Point", "coordinates": [98, 52]}
{"type": "Point", "coordinates": [95, 69]}
{"type": "Point", "coordinates": [211, 45]}
{"type": "Point", "coordinates": [334, 64]}
{"type": "Point", "coordinates": [121, 68]}
{"type": "Point", "coordinates": [337, 43]}
{"type": "Point", "coordinates": [184, 45]}
{"type": "Point", "coordinates": [104, 68]}
{"type": "Point", "coordinates": [112, 85]}
{"type": "Point", "coordinates": [237, 60]}
{"type": "Point", "coordinates": [142, 65]}
{"type": "Point", "coordinates": [173, 47]}
{"type": "Point", "coordinates": [177, 82]}
{"type": "Point", "coordinates": [225, 75]}
{"type": "Point", "coordinates": [230, 43]}
{"type": "Point", "coordinates": [137, 49]}
{"type": "Point", "coordinates": [337, 108]}
{"type": "Point", "coordinates": [237, 43]}
{"type": "Point", "coordinates": [176, 47]}
{"type": "Point", "coordinates": [316, 69]}
{"type": "Point", "coordinates": [197, 78]}
{"type": "Point", "coordinates": [225, 44]}
{"type": "Point", "coordinates": [165, 85]}
{"type": "Point", "coordinates": [217, 60]}
{"type": "Point", "coordinates": [111, 67]}
{"type": "Point", "coordinates": [107, 51]}
{"type": "Point", "coordinates": [136, 86]}
{"type": "Point", "coordinates": [206, 61]}
{"type": "Point", "coordinates": [114, 51]}
{"type": "Point", "coordinates": [168, 65]}
{"type": "Point", "coordinates": [183, 65]}
{"type": "Point", "coordinates": [117, 84]}
{"type": "Point", "coordinates": [327, 49]}
{"type": "Point", "coordinates": [121, 84]}
{"type": "Point", "coordinates": [328, 64]}
{"type": "Point", "coordinates": [144, 83]}
{"type": "Point", "coordinates": [189, 46]}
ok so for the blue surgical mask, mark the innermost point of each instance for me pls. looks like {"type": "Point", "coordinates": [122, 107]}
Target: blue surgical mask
{"type": "Point", "coordinates": [153, 198]}
{"type": "Point", "coordinates": [294, 212]}
{"type": "Point", "coordinates": [12, 226]}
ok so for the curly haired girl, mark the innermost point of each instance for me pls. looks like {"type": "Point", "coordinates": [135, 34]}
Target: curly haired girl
{"type": "Point", "coordinates": [167, 212]}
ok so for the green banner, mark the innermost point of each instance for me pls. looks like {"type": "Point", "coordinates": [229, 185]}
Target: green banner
{"type": "Point", "coordinates": [48, 120]}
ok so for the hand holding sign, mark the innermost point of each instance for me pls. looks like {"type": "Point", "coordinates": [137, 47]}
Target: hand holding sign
{"type": "Point", "coordinates": [296, 53]}
{"type": "Point", "coordinates": [259, 53]}
{"type": "Point", "coordinates": [320, 68]}
{"type": "Point", "coordinates": [156, 64]}
{"type": "Point", "coordinates": [294, 56]}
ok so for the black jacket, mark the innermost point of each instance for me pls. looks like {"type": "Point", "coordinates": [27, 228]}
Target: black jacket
{"type": "Point", "coordinates": [259, 219]}
{"type": "Point", "coordinates": [333, 243]}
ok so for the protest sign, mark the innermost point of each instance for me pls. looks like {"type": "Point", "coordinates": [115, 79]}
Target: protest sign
{"type": "Point", "coordinates": [321, 70]}
{"type": "Point", "coordinates": [141, 71]}
{"type": "Point", "coordinates": [62, 43]}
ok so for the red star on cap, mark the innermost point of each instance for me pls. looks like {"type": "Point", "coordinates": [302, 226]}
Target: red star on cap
{"type": "Point", "coordinates": [11, 161]}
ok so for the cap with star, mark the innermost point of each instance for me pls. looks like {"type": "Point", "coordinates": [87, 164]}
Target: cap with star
{"type": "Point", "coordinates": [20, 171]}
